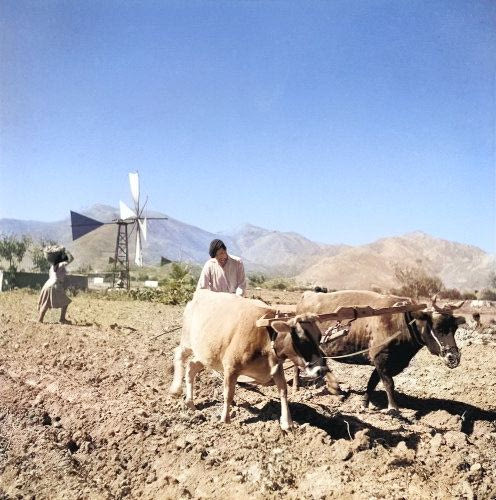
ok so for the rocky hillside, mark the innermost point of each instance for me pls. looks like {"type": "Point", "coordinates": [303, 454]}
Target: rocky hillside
{"type": "Point", "coordinates": [462, 266]}
{"type": "Point", "coordinates": [284, 253]}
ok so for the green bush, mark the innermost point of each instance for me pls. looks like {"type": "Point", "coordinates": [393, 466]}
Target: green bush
{"type": "Point", "coordinates": [469, 296]}
{"type": "Point", "coordinates": [174, 292]}
{"type": "Point", "coordinates": [177, 288]}
{"type": "Point", "coordinates": [256, 279]}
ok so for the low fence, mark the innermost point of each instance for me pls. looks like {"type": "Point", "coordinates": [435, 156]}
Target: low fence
{"type": "Point", "coordinates": [10, 280]}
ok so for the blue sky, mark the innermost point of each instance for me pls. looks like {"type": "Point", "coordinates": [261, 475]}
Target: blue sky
{"type": "Point", "coordinates": [344, 121]}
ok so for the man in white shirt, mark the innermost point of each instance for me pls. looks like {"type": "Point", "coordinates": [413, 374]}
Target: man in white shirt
{"type": "Point", "coordinates": [223, 272]}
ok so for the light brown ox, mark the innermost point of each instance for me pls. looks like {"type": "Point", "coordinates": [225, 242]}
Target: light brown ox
{"type": "Point", "coordinates": [219, 332]}
{"type": "Point", "coordinates": [389, 353]}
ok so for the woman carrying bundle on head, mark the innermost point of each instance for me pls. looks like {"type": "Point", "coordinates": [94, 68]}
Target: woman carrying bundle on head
{"type": "Point", "coordinates": [52, 294]}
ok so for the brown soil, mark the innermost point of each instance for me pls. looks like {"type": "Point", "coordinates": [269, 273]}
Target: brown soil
{"type": "Point", "coordinates": [85, 413]}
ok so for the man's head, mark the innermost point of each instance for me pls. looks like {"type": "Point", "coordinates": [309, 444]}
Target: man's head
{"type": "Point", "coordinates": [219, 251]}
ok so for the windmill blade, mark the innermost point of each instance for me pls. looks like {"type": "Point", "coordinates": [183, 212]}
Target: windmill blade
{"type": "Point", "coordinates": [82, 225]}
{"type": "Point", "coordinates": [134, 183]}
{"type": "Point", "coordinates": [142, 227]}
{"type": "Point", "coordinates": [138, 258]}
{"type": "Point", "coordinates": [126, 212]}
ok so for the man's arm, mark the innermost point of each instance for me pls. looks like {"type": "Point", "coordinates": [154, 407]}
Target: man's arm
{"type": "Point", "coordinates": [240, 279]}
{"type": "Point", "coordinates": [205, 281]}
{"type": "Point", "coordinates": [67, 259]}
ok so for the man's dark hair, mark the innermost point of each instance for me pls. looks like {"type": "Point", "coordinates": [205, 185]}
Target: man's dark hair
{"type": "Point", "coordinates": [215, 246]}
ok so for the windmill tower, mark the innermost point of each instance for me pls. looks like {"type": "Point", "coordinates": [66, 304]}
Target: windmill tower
{"type": "Point", "coordinates": [129, 221]}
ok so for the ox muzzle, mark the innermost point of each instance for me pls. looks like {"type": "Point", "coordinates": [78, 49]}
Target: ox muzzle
{"type": "Point", "coordinates": [451, 356]}
{"type": "Point", "coordinates": [316, 369]}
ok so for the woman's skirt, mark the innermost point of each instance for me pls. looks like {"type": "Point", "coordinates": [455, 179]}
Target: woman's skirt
{"type": "Point", "coordinates": [53, 296]}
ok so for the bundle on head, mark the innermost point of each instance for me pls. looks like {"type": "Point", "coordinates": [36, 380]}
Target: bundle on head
{"type": "Point", "coordinates": [54, 253]}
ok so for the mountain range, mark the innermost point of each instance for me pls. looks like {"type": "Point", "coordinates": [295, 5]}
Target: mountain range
{"type": "Point", "coordinates": [289, 254]}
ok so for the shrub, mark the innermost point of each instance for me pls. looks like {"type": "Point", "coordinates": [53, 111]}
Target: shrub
{"type": "Point", "coordinates": [256, 279]}
{"type": "Point", "coordinates": [280, 284]}
{"type": "Point", "coordinates": [487, 294]}
{"type": "Point", "coordinates": [174, 293]}
{"type": "Point", "coordinates": [415, 282]}
{"type": "Point", "coordinates": [450, 293]}
{"type": "Point", "coordinates": [469, 296]}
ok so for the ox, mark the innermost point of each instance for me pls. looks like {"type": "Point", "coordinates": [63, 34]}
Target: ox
{"type": "Point", "coordinates": [219, 332]}
{"type": "Point", "coordinates": [409, 332]}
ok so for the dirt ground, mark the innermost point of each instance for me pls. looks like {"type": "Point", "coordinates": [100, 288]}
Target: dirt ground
{"type": "Point", "coordinates": [85, 413]}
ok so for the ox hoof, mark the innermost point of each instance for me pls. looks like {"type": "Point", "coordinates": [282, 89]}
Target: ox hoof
{"type": "Point", "coordinates": [190, 405]}
{"type": "Point", "coordinates": [286, 426]}
{"type": "Point", "coordinates": [394, 412]}
{"type": "Point", "coordinates": [175, 392]}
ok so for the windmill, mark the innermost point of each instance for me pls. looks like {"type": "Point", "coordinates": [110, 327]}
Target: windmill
{"type": "Point", "coordinates": [82, 225]}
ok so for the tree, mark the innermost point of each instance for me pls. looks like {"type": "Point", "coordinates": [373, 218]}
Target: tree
{"type": "Point", "coordinates": [179, 272]}
{"type": "Point", "coordinates": [492, 280]}
{"type": "Point", "coordinates": [13, 249]}
{"type": "Point", "coordinates": [40, 263]}
{"type": "Point", "coordinates": [415, 282]}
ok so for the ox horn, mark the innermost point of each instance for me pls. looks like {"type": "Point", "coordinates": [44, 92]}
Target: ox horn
{"type": "Point", "coordinates": [456, 306]}
{"type": "Point", "coordinates": [435, 306]}
{"type": "Point", "coordinates": [448, 308]}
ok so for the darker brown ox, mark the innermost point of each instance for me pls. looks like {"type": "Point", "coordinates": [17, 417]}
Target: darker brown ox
{"type": "Point", "coordinates": [390, 341]}
{"type": "Point", "coordinates": [220, 332]}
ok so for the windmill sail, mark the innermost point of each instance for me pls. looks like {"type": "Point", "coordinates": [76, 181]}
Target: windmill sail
{"type": "Point", "coordinates": [126, 212]}
{"type": "Point", "coordinates": [82, 225]}
{"type": "Point", "coordinates": [142, 226]}
{"type": "Point", "coordinates": [134, 183]}
{"type": "Point", "coordinates": [138, 258]}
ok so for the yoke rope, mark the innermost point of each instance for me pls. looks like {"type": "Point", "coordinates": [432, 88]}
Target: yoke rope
{"type": "Point", "coordinates": [166, 331]}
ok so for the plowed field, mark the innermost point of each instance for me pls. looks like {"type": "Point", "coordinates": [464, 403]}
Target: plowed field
{"type": "Point", "coordinates": [85, 413]}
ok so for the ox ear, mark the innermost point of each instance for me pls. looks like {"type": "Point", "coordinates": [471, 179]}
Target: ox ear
{"type": "Point", "coordinates": [280, 327]}
{"type": "Point", "coordinates": [460, 320]}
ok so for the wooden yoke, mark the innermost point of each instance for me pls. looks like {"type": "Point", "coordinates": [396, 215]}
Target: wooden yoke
{"type": "Point", "coordinates": [348, 312]}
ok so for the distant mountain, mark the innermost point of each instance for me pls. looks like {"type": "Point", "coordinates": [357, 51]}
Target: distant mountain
{"type": "Point", "coordinates": [460, 266]}
{"type": "Point", "coordinates": [168, 238]}
{"type": "Point", "coordinates": [273, 252]}
{"type": "Point", "coordinates": [285, 253]}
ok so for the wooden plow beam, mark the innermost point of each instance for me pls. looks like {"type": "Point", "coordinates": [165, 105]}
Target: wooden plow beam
{"type": "Point", "coordinates": [348, 312]}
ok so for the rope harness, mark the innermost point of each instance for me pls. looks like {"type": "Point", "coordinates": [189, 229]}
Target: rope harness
{"type": "Point", "coordinates": [413, 329]}
{"type": "Point", "coordinates": [397, 334]}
